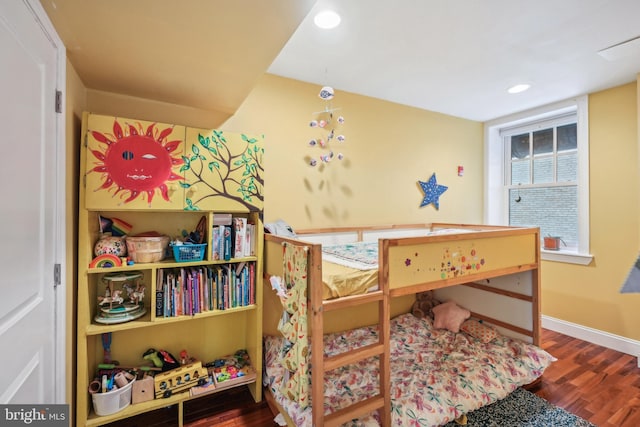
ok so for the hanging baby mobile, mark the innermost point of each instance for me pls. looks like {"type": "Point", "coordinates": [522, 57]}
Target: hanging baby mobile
{"type": "Point", "coordinates": [326, 127]}
{"type": "Point", "coordinates": [432, 192]}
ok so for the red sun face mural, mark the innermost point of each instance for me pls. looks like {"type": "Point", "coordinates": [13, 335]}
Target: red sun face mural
{"type": "Point", "coordinates": [136, 161]}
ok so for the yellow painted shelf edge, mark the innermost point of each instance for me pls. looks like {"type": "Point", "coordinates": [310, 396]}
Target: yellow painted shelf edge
{"type": "Point", "coordinates": [168, 264]}
{"type": "Point", "coordinates": [151, 405]}
{"type": "Point", "coordinates": [133, 324]}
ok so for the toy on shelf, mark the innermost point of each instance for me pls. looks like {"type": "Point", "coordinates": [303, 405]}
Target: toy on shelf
{"type": "Point", "coordinates": [136, 295]}
{"type": "Point", "coordinates": [111, 297]}
{"type": "Point", "coordinates": [191, 247]}
{"type": "Point", "coordinates": [106, 261]}
{"type": "Point", "coordinates": [106, 348]}
{"type": "Point", "coordinates": [161, 359]}
{"type": "Point", "coordinates": [203, 387]}
{"type": "Point", "coordinates": [179, 379]}
{"type": "Point", "coordinates": [185, 359]}
{"type": "Point", "coordinates": [232, 370]}
{"type": "Point", "coordinates": [112, 307]}
{"type": "Point", "coordinates": [111, 388]}
{"type": "Point", "coordinates": [110, 398]}
{"type": "Point", "coordinates": [108, 244]}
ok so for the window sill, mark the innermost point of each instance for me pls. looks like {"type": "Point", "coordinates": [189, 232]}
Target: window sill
{"type": "Point", "coordinates": [566, 257]}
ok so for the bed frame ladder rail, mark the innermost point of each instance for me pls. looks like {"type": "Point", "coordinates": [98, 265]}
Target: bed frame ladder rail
{"type": "Point", "coordinates": [380, 401]}
{"type": "Point", "coordinates": [344, 415]}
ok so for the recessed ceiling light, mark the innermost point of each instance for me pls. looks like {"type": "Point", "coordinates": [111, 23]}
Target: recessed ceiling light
{"type": "Point", "coordinates": [518, 88]}
{"type": "Point", "coordinates": [327, 19]}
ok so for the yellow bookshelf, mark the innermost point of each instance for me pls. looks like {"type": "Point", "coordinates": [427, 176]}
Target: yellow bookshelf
{"type": "Point", "coordinates": [169, 179]}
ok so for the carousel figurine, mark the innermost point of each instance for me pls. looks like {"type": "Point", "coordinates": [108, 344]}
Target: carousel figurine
{"type": "Point", "coordinates": [136, 295]}
{"type": "Point", "coordinates": [112, 306]}
{"type": "Point", "coordinates": [110, 297]}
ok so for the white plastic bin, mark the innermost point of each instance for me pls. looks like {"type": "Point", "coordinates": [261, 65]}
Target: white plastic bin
{"type": "Point", "coordinates": [112, 401]}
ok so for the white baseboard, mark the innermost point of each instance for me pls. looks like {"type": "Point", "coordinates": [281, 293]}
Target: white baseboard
{"type": "Point", "coordinates": [595, 336]}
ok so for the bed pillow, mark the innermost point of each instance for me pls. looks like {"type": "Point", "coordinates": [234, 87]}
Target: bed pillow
{"type": "Point", "coordinates": [450, 316]}
{"type": "Point", "coordinates": [279, 228]}
{"type": "Point", "coordinates": [477, 330]}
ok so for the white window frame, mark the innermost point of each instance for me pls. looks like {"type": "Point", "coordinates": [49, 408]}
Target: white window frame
{"type": "Point", "coordinates": [496, 198]}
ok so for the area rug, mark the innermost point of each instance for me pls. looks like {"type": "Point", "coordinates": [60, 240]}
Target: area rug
{"type": "Point", "coordinates": [522, 408]}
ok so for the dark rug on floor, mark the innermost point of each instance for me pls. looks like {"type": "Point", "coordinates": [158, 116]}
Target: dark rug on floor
{"type": "Point", "coordinates": [522, 408]}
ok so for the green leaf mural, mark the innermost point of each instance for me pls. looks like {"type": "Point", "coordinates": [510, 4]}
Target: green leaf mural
{"type": "Point", "coordinates": [224, 166]}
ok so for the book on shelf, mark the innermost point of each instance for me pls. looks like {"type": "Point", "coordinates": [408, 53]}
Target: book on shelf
{"type": "Point", "coordinates": [193, 290]}
{"type": "Point", "coordinates": [233, 237]}
{"type": "Point", "coordinates": [250, 248]}
{"type": "Point", "coordinates": [239, 236]}
{"type": "Point", "coordinates": [220, 222]}
{"type": "Point", "coordinates": [160, 294]}
{"type": "Point", "coordinates": [227, 243]}
{"type": "Point", "coordinates": [222, 244]}
{"type": "Point", "coordinates": [215, 243]}
{"type": "Point", "coordinates": [222, 219]}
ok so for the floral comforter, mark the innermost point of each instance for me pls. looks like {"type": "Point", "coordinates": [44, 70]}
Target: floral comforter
{"type": "Point", "coordinates": [436, 375]}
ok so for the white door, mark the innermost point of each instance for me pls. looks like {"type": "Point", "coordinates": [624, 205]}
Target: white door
{"type": "Point", "coordinates": [31, 224]}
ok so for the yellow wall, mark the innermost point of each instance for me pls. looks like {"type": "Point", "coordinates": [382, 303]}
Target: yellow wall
{"type": "Point", "coordinates": [107, 103]}
{"type": "Point", "coordinates": [75, 104]}
{"type": "Point", "coordinates": [388, 148]}
{"type": "Point", "coordinates": [589, 295]}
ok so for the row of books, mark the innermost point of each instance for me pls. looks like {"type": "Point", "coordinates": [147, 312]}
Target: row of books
{"type": "Point", "coordinates": [233, 237]}
{"type": "Point", "coordinates": [193, 290]}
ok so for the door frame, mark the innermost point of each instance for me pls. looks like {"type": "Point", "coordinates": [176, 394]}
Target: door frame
{"type": "Point", "coordinates": [63, 291]}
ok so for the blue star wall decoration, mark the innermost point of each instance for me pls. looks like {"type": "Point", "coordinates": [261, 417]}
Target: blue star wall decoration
{"type": "Point", "coordinates": [432, 191]}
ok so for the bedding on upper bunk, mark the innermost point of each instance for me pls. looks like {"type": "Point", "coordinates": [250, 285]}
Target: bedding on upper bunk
{"type": "Point", "coordinates": [352, 268]}
{"type": "Point", "coordinates": [436, 375]}
{"type": "Point", "coordinates": [349, 269]}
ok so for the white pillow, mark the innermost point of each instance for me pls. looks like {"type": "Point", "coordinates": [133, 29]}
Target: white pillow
{"type": "Point", "coordinates": [280, 228]}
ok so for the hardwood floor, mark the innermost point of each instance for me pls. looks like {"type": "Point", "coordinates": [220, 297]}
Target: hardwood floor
{"type": "Point", "coordinates": [596, 383]}
{"type": "Point", "coordinates": [593, 382]}
{"type": "Point", "coordinates": [231, 408]}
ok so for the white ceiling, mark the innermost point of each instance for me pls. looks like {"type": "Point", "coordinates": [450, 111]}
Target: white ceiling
{"type": "Point", "coordinates": [458, 57]}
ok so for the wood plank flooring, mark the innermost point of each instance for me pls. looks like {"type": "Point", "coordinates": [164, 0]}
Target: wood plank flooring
{"type": "Point", "coordinates": [596, 383]}
{"type": "Point", "coordinates": [593, 382]}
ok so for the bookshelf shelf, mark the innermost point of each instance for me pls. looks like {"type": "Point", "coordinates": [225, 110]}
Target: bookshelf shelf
{"type": "Point", "coordinates": [141, 408]}
{"type": "Point", "coordinates": [168, 264]}
{"type": "Point", "coordinates": [145, 322]}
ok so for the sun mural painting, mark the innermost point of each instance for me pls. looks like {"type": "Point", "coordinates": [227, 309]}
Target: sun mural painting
{"type": "Point", "coordinates": [135, 161]}
{"type": "Point", "coordinates": [166, 166]}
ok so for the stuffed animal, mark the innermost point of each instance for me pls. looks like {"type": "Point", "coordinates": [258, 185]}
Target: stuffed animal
{"type": "Point", "coordinates": [425, 301]}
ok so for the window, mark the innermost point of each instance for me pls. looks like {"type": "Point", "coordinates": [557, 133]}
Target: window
{"type": "Point", "coordinates": [542, 178]}
{"type": "Point", "coordinates": [537, 175]}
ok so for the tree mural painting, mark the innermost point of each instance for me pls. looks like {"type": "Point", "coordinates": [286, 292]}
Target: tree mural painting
{"type": "Point", "coordinates": [228, 166]}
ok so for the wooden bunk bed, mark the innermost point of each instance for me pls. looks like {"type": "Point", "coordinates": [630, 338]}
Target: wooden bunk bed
{"type": "Point", "coordinates": [492, 271]}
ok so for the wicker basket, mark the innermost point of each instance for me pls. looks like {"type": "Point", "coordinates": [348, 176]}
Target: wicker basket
{"type": "Point", "coordinates": [145, 249]}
